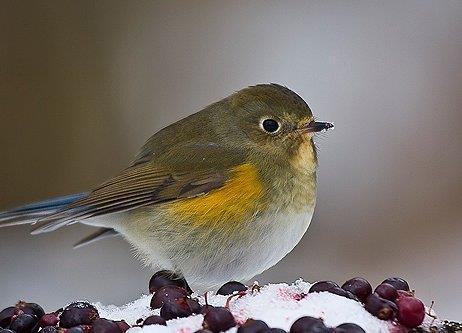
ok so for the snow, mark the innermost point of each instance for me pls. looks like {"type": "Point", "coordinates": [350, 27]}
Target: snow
{"type": "Point", "coordinates": [279, 305]}
{"type": "Point", "coordinates": [130, 312]}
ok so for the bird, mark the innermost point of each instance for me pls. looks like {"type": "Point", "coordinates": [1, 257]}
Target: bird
{"type": "Point", "coordinates": [222, 194]}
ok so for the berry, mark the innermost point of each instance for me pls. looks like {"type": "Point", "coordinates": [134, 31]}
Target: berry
{"type": "Point", "coordinates": [6, 315]}
{"type": "Point", "coordinates": [309, 325]}
{"type": "Point", "coordinates": [386, 291]}
{"type": "Point", "coordinates": [167, 278]}
{"type": "Point", "coordinates": [167, 294]}
{"type": "Point", "coordinates": [218, 319]}
{"type": "Point", "coordinates": [79, 313]}
{"type": "Point", "coordinates": [75, 329]}
{"type": "Point", "coordinates": [349, 328]}
{"type": "Point", "coordinates": [359, 287]}
{"type": "Point", "coordinates": [123, 326]}
{"type": "Point", "coordinates": [47, 329]}
{"type": "Point", "coordinates": [24, 323]}
{"type": "Point", "coordinates": [49, 319]}
{"type": "Point", "coordinates": [154, 320]}
{"type": "Point", "coordinates": [194, 305]}
{"type": "Point", "coordinates": [342, 292]}
{"type": "Point", "coordinates": [30, 308]}
{"type": "Point", "coordinates": [322, 286]}
{"type": "Point", "coordinates": [411, 311]}
{"type": "Point", "coordinates": [176, 309]}
{"type": "Point", "coordinates": [379, 307]}
{"type": "Point", "coordinates": [252, 326]}
{"type": "Point", "coordinates": [230, 287]}
{"type": "Point", "coordinates": [398, 283]}
{"type": "Point", "coordinates": [273, 330]}
{"type": "Point", "coordinates": [101, 325]}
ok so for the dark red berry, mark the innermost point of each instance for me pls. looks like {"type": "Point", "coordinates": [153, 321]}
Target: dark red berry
{"type": "Point", "coordinates": [322, 286]}
{"type": "Point", "coordinates": [342, 292]}
{"type": "Point", "coordinates": [218, 319]}
{"type": "Point", "coordinates": [386, 291]}
{"type": "Point", "coordinates": [411, 311]}
{"type": "Point", "coordinates": [176, 309]}
{"type": "Point", "coordinates": [308, 325]}
{"type": "Point", "coordinates": [167, 278]}
{"type": "Point", "coordinates": [274, 330]}
{"type": "Point", "coordinates": [24, 323]}
{"type": "Point", "coordinates": [230, 287]}
{"type": "Point", "coordinates": [101, 325]}
{"type": "Point", "coordinates": [123, 326]}
{"type": "Point", "coordinates": [154, 320]}
{"type": "Point", "coordinates": [194, 305]}
{"type": "Point", "coordinates": [252, 326]}
{"type": "Point", "coordinates": [398, 283]}
{"type": "Point", "coordinates": [6, 315]}
{"type": "Point", "coordinates": [49, 319]}
{"type": "Point", "coordinates": [31, 308]}
{"type": "Point", "coordinates": [79, 313]}
{"type": "Point", "coordinates": [167, 294]}
{"type": "Point", "coordinates": [349, 328]}
{"type": "Point", "coordinates": [379, 307]}
{"type": "Point", "coordinates": [359, 287]}
{"type": "Point", "coordinates": [75, 329]}
{"type": "Point", "coordinates": [48, 329]}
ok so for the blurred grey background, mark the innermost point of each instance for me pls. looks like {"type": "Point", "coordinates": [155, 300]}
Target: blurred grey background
{"type": "Point", "coordinates": [84, 83]}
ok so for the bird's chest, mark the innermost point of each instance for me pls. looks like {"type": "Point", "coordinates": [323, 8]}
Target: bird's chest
{"type": "Point", "coordinates": [270, 234]}
{"type": "Point", "coordinates": [277, 234]}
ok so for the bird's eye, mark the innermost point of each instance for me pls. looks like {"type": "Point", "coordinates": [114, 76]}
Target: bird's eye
{"type": "Point", "coordinates": [270, 125]}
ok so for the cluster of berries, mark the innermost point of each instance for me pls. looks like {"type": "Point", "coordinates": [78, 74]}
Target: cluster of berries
{"type": "Point", "coordinates": [79, 317]}
{"type": "Point", "coordinates": [172, 295]}
{"type": "Point", "coordinates": [391, 300]}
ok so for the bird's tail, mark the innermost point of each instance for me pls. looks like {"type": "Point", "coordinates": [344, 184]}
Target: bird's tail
{"type": "Point", "coordinates": [31, 213]}
{"type": "Point", "coordinates": [35, 212]}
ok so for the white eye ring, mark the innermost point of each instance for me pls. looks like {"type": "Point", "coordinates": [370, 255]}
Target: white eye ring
{"type": "Point", "coordinates": [270, 125]}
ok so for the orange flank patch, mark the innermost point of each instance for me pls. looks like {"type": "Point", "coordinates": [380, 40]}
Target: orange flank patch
{"type": "Point", "coordinates": [234, 202]}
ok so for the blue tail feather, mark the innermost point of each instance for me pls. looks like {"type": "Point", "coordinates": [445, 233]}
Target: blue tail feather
{"type": "Point", "coordinates": [31, 212]}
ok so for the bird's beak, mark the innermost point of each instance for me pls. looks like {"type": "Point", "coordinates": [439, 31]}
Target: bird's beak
{"type": "Point", "coordinates": [318, 126]}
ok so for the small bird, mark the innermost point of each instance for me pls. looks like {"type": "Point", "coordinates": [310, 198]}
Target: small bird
{"type": "Point", "coordinates": [223, 194]}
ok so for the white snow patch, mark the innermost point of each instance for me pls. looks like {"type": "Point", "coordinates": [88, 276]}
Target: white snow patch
{"type": "Point", "coordinates": [130, 312]}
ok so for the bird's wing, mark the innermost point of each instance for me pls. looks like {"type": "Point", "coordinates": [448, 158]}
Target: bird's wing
{"type": "Point", "coordinates": [183, 172]}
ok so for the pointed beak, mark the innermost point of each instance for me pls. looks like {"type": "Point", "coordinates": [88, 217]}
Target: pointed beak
{"type": "Point", "coordinates": [318, 126]}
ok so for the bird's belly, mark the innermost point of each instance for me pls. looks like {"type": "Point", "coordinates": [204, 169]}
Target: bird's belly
{"type": "Point", "coordinates": [208, 258]}
{"type": "Point", "coordinates": [276, 237]}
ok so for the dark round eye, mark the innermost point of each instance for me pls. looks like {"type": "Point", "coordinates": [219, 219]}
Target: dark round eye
{"type": "Point", "coordinates": [270, 125]}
